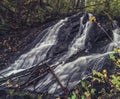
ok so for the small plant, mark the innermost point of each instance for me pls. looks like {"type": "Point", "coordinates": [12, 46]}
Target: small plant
{"type": "Point", "coordinates": [115, 57]}
{"type": "Point", "coordinates": [101, 85]}
{"type": "Point", "coordinates": [73, 96]}
{"type": "Point", "coordinates": [115, 81]}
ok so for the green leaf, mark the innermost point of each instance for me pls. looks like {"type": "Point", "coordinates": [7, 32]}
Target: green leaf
{"type": "Point", "coordinates": [83, 84]}
{"type": "Point", "coordinates": [92, 90]}
{"type": "Point", "coordinates": [115, 50]}
{"type": "Point", "coordinates": [69, 98]}
{"type": "Point", "coordinates": [98, 74]}
{"type": "Point", "coordinates": [112, 57]}
{"type": "Point", "coordinates": [73, 95]}
{"type": "Point", "coordinates": [82, 97]}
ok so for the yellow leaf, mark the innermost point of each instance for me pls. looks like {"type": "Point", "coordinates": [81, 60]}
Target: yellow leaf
{"type": "Point", "coordinates": [92, 19]}
{"type": "Point", "coordinates": [105, 75]}
{"type": "Point", "coordinates": [104, 71]}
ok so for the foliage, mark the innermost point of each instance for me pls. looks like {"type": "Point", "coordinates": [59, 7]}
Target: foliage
{"type": "Point", "coordinates": [110, 6]}
{"type": "Point", "coordinates": [18, 14]}
{"type": "Point", "coordinates": [73, 96]}
{"type": "Point", "coordinates": [116, 81]}
{"type": "Point", "coordinates": [101, 84]}
{"type": "Point", "coordinates": [12, 92]}
{"type": "Point", "coordinates": [116, 57]}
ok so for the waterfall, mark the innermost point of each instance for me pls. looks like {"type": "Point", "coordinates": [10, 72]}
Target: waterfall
{"type": "Point", "coordinates": [38, 53]}
{"type": "Point", "coordinates": [116, 37]}
{"type": "Point", "coordinates": [69, 72]}
{"type": "Point", "coordinates": [78, 43]}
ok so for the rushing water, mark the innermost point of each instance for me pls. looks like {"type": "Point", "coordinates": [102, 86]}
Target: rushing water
{"type": "Point", "coordinates": [74, 52]}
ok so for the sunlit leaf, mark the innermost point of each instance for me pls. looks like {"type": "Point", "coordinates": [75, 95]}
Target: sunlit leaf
{"type": "Point", "coordinates": [92, 90]}
{"type": "Point", "coordinates": [112, 56]}
{"type": "Point", "coordinates": [73, 95]}
{"type": "Point", "coordinates": [82, 97]}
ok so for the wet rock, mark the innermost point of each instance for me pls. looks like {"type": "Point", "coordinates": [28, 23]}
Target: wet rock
{"type": "Point", "coordinates": [27, 97]}
{"type": "Point", "coordinates": [17, 97]}
{"type": "Point", "coordinates": [3, 94]}
{"type": "Point", "coordinates": [75, 43]}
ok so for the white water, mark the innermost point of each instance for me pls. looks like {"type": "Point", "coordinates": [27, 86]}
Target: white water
{"type": "Point", "coordinates": [70, 70]}
{"type": "Point", "coordinates": [73, 70]}
{"type": "Point", "coordinates": [78, 44]}
{"type": "Point", "coordinates": [38, 53]}
{"type": "Point", "coordinates": [76, 69]}
{"type": "Point", "coordinates": [116, 39]}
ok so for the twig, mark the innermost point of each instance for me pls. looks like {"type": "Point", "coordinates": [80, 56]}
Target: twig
{"type": "Point", "coordinates": [42, 73]}
{"type": "Point", "coordinates": [34, 70]}
{"type": "Point", "coordinates": [66, 90]}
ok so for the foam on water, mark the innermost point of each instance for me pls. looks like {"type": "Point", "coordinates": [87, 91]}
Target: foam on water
{"type": "Point", "coordinates": [71, 71]}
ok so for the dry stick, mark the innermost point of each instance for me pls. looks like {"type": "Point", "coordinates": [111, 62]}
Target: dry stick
{"type": "Point", "coordinates": [34, 79]}
{"type": "Point", "coordinates": [34, 69]}
{"type": "Point", "coordinates": [110, 18]}
{"type": "Point", "coordinates": [65, 89]}
{"type": "Point", "coordinates": [98, 24]}
{"type": "Point", "coordinates": [15, 75]}
{"type": "Point", "coordinates": [43, 73]}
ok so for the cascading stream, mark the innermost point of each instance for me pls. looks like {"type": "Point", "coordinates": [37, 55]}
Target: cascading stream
{"type": "Point", "coordinates": [79, 41]}
{"type": "Point", "coordinates": [69, 72]}
{"type": "Point", "coordinates": [116, 39]}
{"type": "Point", "coordinates": [38, 53]}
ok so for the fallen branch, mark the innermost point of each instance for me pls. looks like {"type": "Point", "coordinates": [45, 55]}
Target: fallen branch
{"type": "Point", "coordinates": [65, 89]}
